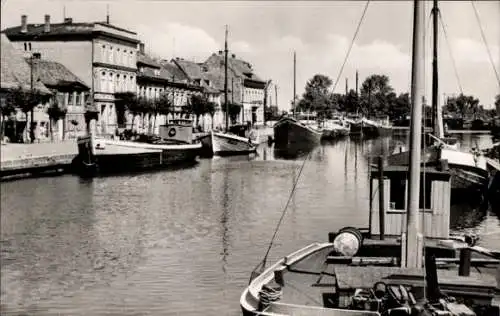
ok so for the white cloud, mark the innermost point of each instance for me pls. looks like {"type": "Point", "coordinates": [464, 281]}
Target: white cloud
{"type": "Point", "coordinates": [466, 50]}
{"type": "Point", "coordinates": [241, 47]}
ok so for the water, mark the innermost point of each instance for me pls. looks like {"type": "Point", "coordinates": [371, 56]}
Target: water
{"type": "Point", "coordinates": [182, 241]}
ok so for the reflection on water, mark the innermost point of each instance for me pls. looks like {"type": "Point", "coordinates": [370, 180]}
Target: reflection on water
{"type": "Point", "coordinates": [176, 241]}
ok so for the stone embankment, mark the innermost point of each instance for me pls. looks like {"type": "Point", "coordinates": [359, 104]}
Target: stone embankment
{"type": "Point", "coordinates": [19, 160]}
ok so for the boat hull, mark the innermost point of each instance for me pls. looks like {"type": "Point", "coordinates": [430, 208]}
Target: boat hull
{"type": "Point", "coordinates": [291, 133]}
{"type": "Point", "coordinates": [228, 144]}
{"type": "Point", "coordinates": [126, 156]}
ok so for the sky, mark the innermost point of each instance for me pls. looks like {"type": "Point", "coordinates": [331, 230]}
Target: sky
{"type": "Point", "coordinates": [265, 33]}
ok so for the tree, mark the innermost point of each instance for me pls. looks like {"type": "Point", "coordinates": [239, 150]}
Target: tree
{"type": "Point", "coordinates": [374, 93]}
{"type": "Point", "coordinates": [123, 102]}
{"type": "Point", "coordinates": [462, 105]}
{"type": "Point", "coordinates": [210, 109]}
{"type": "Point", "coordinates": [497, 103]}
{"type": "Point", "coordinates": [55, 112]}
{"type": "Point", "coordinates": [197, 104]}
{"type": "Point", "coordinates": [164, 105]}
{"type": "Point", "coordinates": [234, 110]}
{"type": "Point", "coordinates": [26, 100]}
{"type": "Point", "coordinates": [316, 96]}
{"type": "Point", "coordinates": [6, 110]}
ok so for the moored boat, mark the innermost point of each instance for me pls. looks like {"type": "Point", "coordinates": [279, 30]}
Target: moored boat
{"type": "Point", "coordinates": [289, 132]}
{"type": "Point", "coordinates": [173, 147]}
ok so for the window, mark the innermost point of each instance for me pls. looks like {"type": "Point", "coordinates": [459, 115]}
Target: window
{"type": "Point", "coordinates": [110, 83]}
{"type": "Point", "coordinates": [103, 53]}
{"type": "Point", "coordinates": [25, 46]}
{"type": "Point", "coordinates": [118, 58]}
{"type": "Point", "coordinates": [397, 193]}
{"type": "Point", "coordinates": [110, 55]}
{"type": "Point", "coordinates": [103, 82]}
{"type": "Point", "coordinates": [131, 83]}
{"type": "Point", "coordinates": [425, 192]}
{"type": "Point", "coordinates": [118, 83]}
{"type": "Point", "coordinates": [70, 98]}
{"type": "Point", "coordinates": [124, 57]}
{"type": "Point", "coordinates": [131, 60]}
{"type": "Point", "coordinates": [29, 46]}
{"type": "Point", "coordinates": [78, 99]}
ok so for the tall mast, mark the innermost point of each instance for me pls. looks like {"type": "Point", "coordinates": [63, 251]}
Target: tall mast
{"type": "Point", "coordinates": [412, 245]}
{"type": "Point", "coordinates": [294, 83]}
{"type": "Point", "coordinates": [225, 81]}
{"type": "Point", "coordinates": [435, 12]}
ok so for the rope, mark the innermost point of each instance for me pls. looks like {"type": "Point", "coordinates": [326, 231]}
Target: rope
{"type": "Point", "coordinates": [450, 53]}
{"type": "Point", "coordinates": [262, 264]}
{"type": "Point", "coordinates": [269, 294]}
{"type": "Point", "coordinates": [485, 42]}
{"type": "Point", "coordinates": [351, 45]}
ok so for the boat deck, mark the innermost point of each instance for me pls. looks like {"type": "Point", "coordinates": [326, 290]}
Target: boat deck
{"type": "Point", "coordinates": [124, 150]}
{"type": "Point", "coordinates": [318, 277]}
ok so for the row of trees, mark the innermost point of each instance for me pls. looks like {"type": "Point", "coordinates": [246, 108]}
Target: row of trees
{"type": "Point", "coordinates": [26, 101]}
{"type": "Point", "coordinates": [197, 105]}
{"type": "Point", "coordinates": [376, 98]}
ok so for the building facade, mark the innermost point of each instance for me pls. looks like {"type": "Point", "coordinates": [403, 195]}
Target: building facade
{"type": "Point", "coordinates": [102, 55]}
{"type": "Point", "coordinates": [247, 89]}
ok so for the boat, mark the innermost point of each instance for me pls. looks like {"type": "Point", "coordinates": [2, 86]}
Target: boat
{"type": "Point", "coordinates": [227, 143]}
{"type": "Point", "coordinates": [469, 168]}
{"type": "Point", "coordinates": [291, 132]}
{"type": "Point", "coordinates": [396, 266]}
{"type": "Point", "coordinates": [334, 128]}
{"type": "Point", "coordinates": [174, 146]}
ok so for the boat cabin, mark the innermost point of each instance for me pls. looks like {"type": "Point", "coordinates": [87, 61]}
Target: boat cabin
{"type": "Point", "coordinates": [177, 130]}
{"type": "Point", "coordinates": [435, 190]}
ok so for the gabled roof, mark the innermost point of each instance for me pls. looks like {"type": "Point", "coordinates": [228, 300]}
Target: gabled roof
{"type": "Point", "coordinates": [56, 75]}
{"type": "Point", "coordinates": [191, 68]}
{"type": "Point", "coordinates": [172, 72]}
{"type": "Point", "coordinates": [143, 59]}
{"type": "Point", "coordinates": [14, 70]}
{"type": "Point", "coordinates": [240, 67]}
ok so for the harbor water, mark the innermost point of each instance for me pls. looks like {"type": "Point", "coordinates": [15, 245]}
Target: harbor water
{"type": "Point", "coordinates": [184, 241]}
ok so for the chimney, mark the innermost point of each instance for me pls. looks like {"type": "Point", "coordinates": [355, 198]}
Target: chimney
{"type": "Point", "coordinates": [24, 23]}
{"type": "Point", "coordinates": [141, 48]}
{"type": "Point", "coordinates": [46, 27]}
{"type": "Point", "coordinates": [68, 20]}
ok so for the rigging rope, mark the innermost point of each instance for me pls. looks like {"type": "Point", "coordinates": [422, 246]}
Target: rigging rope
{"type": "Point", "coordinates": [443, 25]}
{"type": "Point", "coordinates": [485, 42]}
{"type": "Point", "coordinates": [264, 260]}
{"type": "Point", "coordinates": [351, 45]}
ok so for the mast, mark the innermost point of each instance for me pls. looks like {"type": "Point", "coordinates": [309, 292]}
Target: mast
{"type": "Point", "coordinates": [437, 123]}
{"type": "Point", "coordinates": [410, 256]}
{"type": "Point", "coordinates": [225, 81]}
{"type": "Point", "coordinates": [294, 83]}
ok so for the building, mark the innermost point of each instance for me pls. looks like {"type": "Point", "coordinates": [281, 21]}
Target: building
{"type": "Point", "coordinates": [16, 73]}
{"type": "Point", "coordinates": [212, 84]}
{"type": "Point", "coordinates": [156, 79]}
{"type": "Point", "coordinates": [247, 89]}
{"type": "Point", "coordinates": [102, 55]}
{"type": "Point", "coordinates": [71, 93]}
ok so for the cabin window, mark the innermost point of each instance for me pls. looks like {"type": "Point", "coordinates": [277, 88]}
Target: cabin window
{"type": "Point", "coordinates": [397, 193]}
{"type": "Point", "coordinates": [25, 47]}
{"type": "Point", "coordinates": [425, 193]}
{"type": "Point", "coordinates": [29, 46]}
{"type": "Point", "coordinates": [78, 98]}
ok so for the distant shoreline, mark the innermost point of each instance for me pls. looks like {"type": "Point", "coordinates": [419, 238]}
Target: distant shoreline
{"type": "Point", "coordinates": [451, 131]}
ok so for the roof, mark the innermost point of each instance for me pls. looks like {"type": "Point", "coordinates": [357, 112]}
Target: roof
{"type": "Point", "coordinates": [14, 70]}
{"type": "Point", "coordinates": [191, 68]}
{"type": "Point", "coordinates": [147, 60]}
{"type": "Point", "coordinates": [54, 74]}
{"type": "Point", "coordinates": [239, 67]}
{"type": "Point", "coordinates": [65, 29]}
{"type": "Point", "coordinates": [172, 72]}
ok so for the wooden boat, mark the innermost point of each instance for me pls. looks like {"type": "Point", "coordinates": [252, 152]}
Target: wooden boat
{"type": "Point", "coordinates": [290, 132]}
{"type": "Point", "coordinates": [327, 278]}
{"type": "Point", "coordinates": [173, 147]}
{"type": "Point", "coordinates": [379, 270]}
